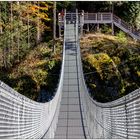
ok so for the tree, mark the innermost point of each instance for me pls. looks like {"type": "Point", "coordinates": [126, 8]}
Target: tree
{"type": "Point", "coordinates": [128, 10]}
{"type": "Point", "coordinates": [21, 27]}
{"type": "Point", "coordinates": [54, 25]}
{"type": "Point", "coordinates": [0, 19]}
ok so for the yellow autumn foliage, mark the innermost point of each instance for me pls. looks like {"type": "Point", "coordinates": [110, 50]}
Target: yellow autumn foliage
{"type": "Point", "coordinates": [101, 62]}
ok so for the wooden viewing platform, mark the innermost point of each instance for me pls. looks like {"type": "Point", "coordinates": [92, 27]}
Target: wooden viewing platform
{"type": "Point", "coordinates": [101, 18]}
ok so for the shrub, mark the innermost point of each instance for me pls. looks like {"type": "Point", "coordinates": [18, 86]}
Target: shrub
{"type": "Point", "coordinates": [121, 37]}
{"type": "Point", "coordinates": [106, 29]}
{"type": "Point", "coordinates": [105, 83]}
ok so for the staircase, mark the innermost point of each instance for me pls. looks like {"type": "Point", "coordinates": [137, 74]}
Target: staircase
{"type": "Point", "coordinates": [103, 18]}
{"type": "Point", "coordinates": [127, 28]}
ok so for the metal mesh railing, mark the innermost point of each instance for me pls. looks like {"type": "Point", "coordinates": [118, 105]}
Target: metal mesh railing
{"type": "Point", "coordinates": [116, 119]}
{"type": "Point", "coordinates": [21, 117]}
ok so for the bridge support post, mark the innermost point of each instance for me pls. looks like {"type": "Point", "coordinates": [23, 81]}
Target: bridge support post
{"type": "Point", "coordinates": [88, 27]}
{"type": "Point", "coordinates": [82, 22]}
{"type": "Point", "coordinates": [112, 24]}
{"type": "Point", "coordinates": [81, 30]}
{"type": "Point", "coordinates": [98, 27]}
{"type": "Point", "coordinates": [59, 30]}
{"type": "Point", "coordinates": [97, 18]}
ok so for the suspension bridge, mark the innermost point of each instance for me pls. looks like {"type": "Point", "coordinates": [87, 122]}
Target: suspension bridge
{"type": "Point", "coordinates": [72, 113]}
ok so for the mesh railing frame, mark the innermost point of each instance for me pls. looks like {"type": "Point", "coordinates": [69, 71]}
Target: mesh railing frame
{"type": "Point", "coordinates": [23, 118]}
{"type": "Point", "coordinates": [116, 119]}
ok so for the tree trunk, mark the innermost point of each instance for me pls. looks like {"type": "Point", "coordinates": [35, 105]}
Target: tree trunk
{"type": "Point", "coordinates": [11, 20]}
{"type": "Point", "coordinates": [18, 34]}
{"type": "Point", "coordinates": [0, 20]}
{"type": "Point", "coordinates": [6, 44]}
{"type": "Point", "coordinates": [38, 28]}
{"type": "Point", "coordinates": [5, 59]}
{"type": "Point", "coordinates": [28, 30]}
{"type": "Point", "coordinates": [54, 25]}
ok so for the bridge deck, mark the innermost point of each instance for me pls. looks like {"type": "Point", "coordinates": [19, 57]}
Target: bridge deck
{"type": "Point", "coordinates": [70, 122]}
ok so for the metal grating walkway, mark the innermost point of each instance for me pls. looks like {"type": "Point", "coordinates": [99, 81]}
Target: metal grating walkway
{"type": "Point", "coordinates": [70, 122]}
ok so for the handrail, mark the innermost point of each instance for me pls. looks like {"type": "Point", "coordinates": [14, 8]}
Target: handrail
{"type": "Point", "coordinates": [107, 17]}
{"type": "Point", "coordinates": [116, 119]}
{"type": "Point", "coordinates": [21, 117]}
{"type": "Point", "coordinates": [55, 118]}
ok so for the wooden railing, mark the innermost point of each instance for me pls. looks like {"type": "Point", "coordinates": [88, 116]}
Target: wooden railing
{"type": "Point", "coordinates": [86, 18]}
{"type": "Point", "coordinates": [96, 17]}
{"type": "Point", "coordinates": [130, 30]}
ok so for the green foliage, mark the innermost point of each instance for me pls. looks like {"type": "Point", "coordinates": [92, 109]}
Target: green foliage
{"type": "Point", "coordinates": [100, 61]}
{"type": "Point", "coordinates": [26, 86]}
{"type": "Point", "coordinates": [21, 27]}
{"type": "Point", "coordinates": [51, 64]}
{"type": "Point", "coordinates": [116, 60]}
{"type": "Point", "coordinates": [106, 29]}
{"type": "Point", "coordinates": [39, 69]}
{"type": "Point", "coordinates": [113, 66]}
{"type": "Point", "coordinates": [65, 5]}
{"type": "Point", "coordinates": [138, 21]}
{"type": "Point", "coordinates": [121, 37]}
{"type": "Point", "coordinates": [127, 10]}
{"type": "Point", "coordinates": [105, 80]}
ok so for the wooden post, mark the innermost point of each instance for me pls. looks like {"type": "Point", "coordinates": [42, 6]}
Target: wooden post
{"type": "Point", "coordinates": [112, 28]}
{"type": "Point", "coordinates": [119, 21]}
{"type": "Point", "coordinates": [112, 19]}
{"type": "Point", "coordinates": [77, 22]}
{"type": "Point", "coordinates": [112, 24]}
{"type": "Point", "coordinates": [101, 17]}
{"type": "Point", "coordinates": [96, 17]}
{"type": "Point", "coordinates": [82, 22]}
{"type": "Point", "coordinates": [87, 27]}
{"type": "Point", "coordinates": [59, 24]}
{"type": "Point", "coordinates": [98, 27]}
{"type": "Point", "coordinates": [98, 22]}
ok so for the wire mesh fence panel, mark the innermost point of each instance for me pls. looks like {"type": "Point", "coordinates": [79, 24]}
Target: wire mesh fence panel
{"type": "Point", "coordinates": [21, 117]}
{"type": "Point", "coordinates": [117, 119]}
